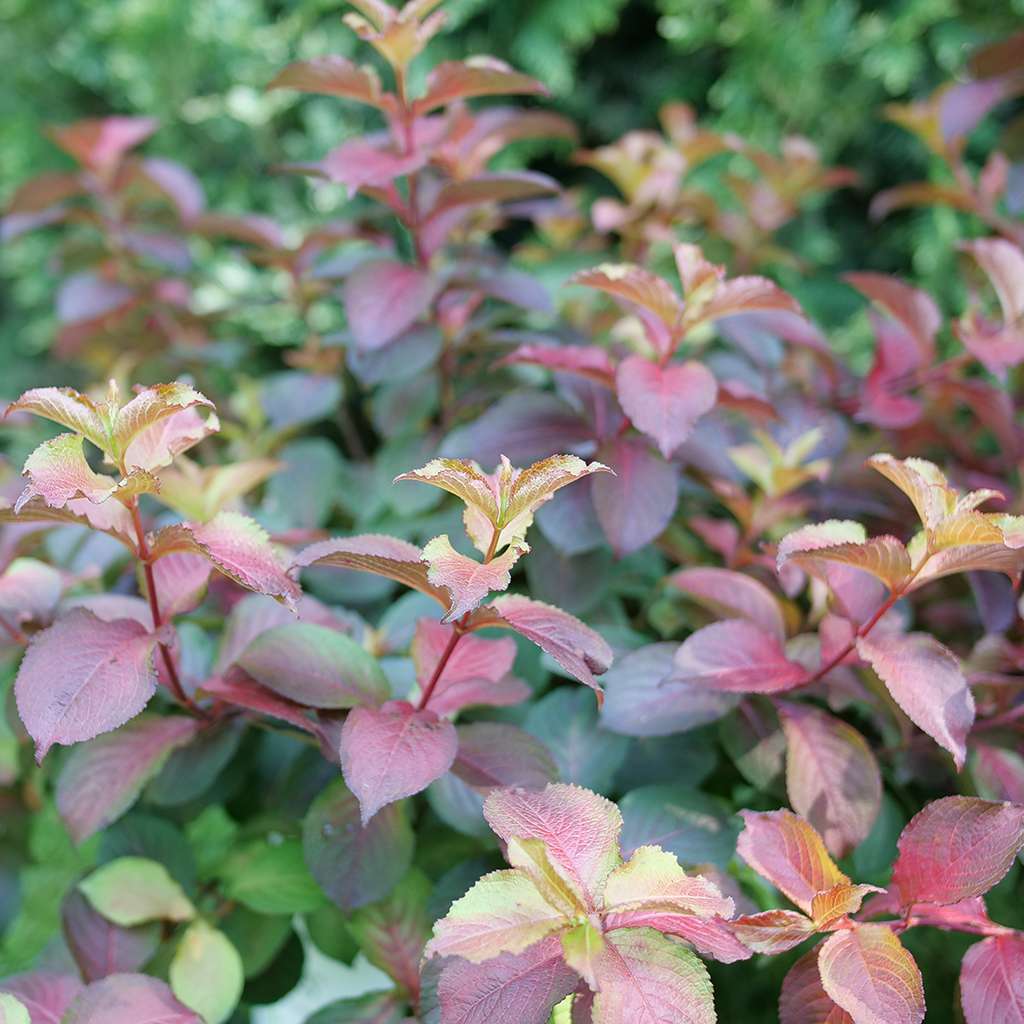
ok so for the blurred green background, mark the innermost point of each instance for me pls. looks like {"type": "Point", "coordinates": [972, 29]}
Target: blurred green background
{"type": "Point", "coordinates": [823, 68]}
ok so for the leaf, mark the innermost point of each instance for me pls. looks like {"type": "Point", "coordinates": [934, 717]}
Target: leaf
{"type": "Point", "coordinates": [315, 666]}
{"type": "Point", "coordinates": [101, 779]}
{"type": "Point", "coordinates": [477, 670]}
{"type": "Point", "coordinates": [803, 1000]}
{"type": "Point", "coordinates": [374, 1008]}
{"type": "Point", "coordinates": [773, 931]}
{"type": "Point", "coordinates": [492, 187]}
{"type": "Point", "coordinates": [645, 697]}
{"type": "Point", "coordinates": [732, 595]}
{"type": "Point", "coordinates": [665, 402]}
{"type": "Point", "coordinates": [496, 754]}
{"type": "Point", "coordinates": [636, 504]}
{"type": "Point", "coordinates": [884, 557]}
{"type": "Point", "coordinates": [992, 981]}
{"type": "Point", "coordinates": [972, 541]}
{"type": "Point", "coordinates": [270, 876]}
{"type": "Point", "coordinates": [239, 548]}
{"type": "Point", "coordinates": [30, 589]}
{"type": "Point", "coordinates": [735, 656]}
{"type": "Point", "coordinates": [383, 299]}
{"type": "Point", "coordinates": [237, 688]}
{"type": "Point", "coordinates": [45, 994]}
{"type": "Point", "coordinates": [784, 849]}
{"type": "Point", "coordinates": [653, 880]}
{"type": "Point", "coordinates": [392, 752]}
{"type": "Point", "coordinates": [131, 431]}
{"type": "Point", "coordinates": [870, 975]}
{"type": "Point", "coordinates": [589, 361]}
{"type": "Point", "coordinates": [206, 973]}
{"type": "Point", "coordinates": [134, 890]}
{"type": "Point", "coordinates": [998, 773]}
{"type": "Point", "coordinates": [101, 948]}
{"type": "Point", "coordinates": [13, 1010]}
{"type": "Point", "coordinates": [503, 912]}
{"type": "Point", "coordinates": [180, 583]}
{"type": "Point", "coordinates": [375, 553]}
{"type": "Point", "coordinates": [100, 143]}
{"type": "Point", "coordinates": [478, 76]}
{"type": "Point", "coordinates": [129, 999]}
{"type": "Point", "coordinates": [748, 294]}
{"type": "Point", "coordinates": [331, 75]}
{"type": "Point", "coordinates": [955, 848]}
{"type": "Point", "coordinates": [156, 445]}
{"type": "Point", "coordinates": [466, 580]}
{"type": "Point", "coordinates": [82, 677]}
{"type": "Point", "coordinates": [521, 987]}
{"type": "Point", "coordinates": [926, 680]}
{"type": "Point", "coordinates": [829, 906]}
{"type": "Point", "coordinates": [579, 829]}
{"type": "Point", "coordinates": [69, 408]}
{"type": "Point", "coordinates": [832, 777]}
{"type": "Point", "coordinates": [646, 978]}
{"type": "Point", "coordinates": [574, 645]}
{"type": "Point", "coordinates": [914, 309]}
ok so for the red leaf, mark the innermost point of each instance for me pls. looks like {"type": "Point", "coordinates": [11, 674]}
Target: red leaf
{"type": "Point", "coordinates": [368, 160]}
{"type": "Point", "coordinates": [574, 645]}
{"type": "Point", "coordinates": [492, 188]}
{"type": "Point", "coordinates": [711, 936]}
{"type": "Point", "coordinates": [333, 76]}
{"type": "Point", "coordinates": [237, 688]}
{"type": "Point", "coordinates": [735, 656]}
{"type": "Point", "coordinates": [926, 680]}
{"type": "Point", "coordinates": [477, 76]}
{"type": "Point", "coordinates": [588, 361]}
{"type": "Point", "coordinates": [789, 853]}
{"type": "Point", "coordinates": [523, 987]}
{"type": "Point", "coordinates": [803, 1000]}
{"type": "Point", "coordinates": [82, 677]}
{"type": "Point", "coordinates": [100, 144]}
{"type": "Point", "coordinates": [732, 595]}
{"type": "Point", "coordinates": [466, 580]}
{"type": "Point", "coordinates": [392, 752]}
{"type": "Point", "coordinates": [383, 299]}
{"type": "Point", "coordinates": [998, 773]}
{"type": "Point", "coordinates": [45, 994]}
{"type": "Point", "coordinates": [129, 999]}
{"type": "Point", "coordinates": [992, 981]}
{"type": "Point", "coordinates": [101, 779]}
{"type": "Point", "coordinates": [773, 931]}
{"type": "Point", "coordinates": [665, 402]}
{"type": "Point", "coordinates": [636, 504]}
{"type": "Point", "coordinates": [955, 848]}
{"type": "Point", "coordinates": [831, 776]}
{"type": "Point", "coordinates": [915, 310]}
{"type": "Point", "coordinates": [870, 975]}
{"type": "Point", "coordinates": [495, 754]}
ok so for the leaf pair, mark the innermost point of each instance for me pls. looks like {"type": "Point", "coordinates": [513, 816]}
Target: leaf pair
{"type": "Point", "coordinates": [569, 916]}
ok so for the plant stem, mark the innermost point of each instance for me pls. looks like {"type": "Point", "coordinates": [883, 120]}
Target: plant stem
{"type": "Point", "coordinates": [453, 640]}
{"type": "Point", "coordinates": [145, 557]}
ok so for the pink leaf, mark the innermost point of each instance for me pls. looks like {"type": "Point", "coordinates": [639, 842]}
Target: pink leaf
{"type": "Point", "coordinates": [156, 445]}
{"type": "Point", "coordinates": [100, 143]}
{"type": "Point", "coordinates": [575, 646]}
{"type": "Point", "coordinates": [138, 429]}
{"type": "Point", "coordinates": [69, 408]}
{"type": "Point", "coordinates": [636, 504]}
{"type": "Point", "coordinates": [912, 308]}
{"type": "Point", "coordinates": [237, 688]}
{"type": "Point", "coordinates": [180, 582]}
{"type": "Point", "coordinates": [653, 880]}
{"type": "Point", "coordinates": [101, 947]}
{"type": "Point", "coordinates": [384, 556]}
{"type": "Point", "coordinates": [368, 160]}
{"type": "Point", "coordinates": [101, 779]}
{"type": "Point", "coordinates": [647, 978]}
{"type": "Point", "coordinates": [803, 1000]}
{"type": "Point", "coordinates": [732, 595]}
{"type": "Point", "coordinates": [955, 848]}
{"type": "Point", "coordinates": [870, 975]}
{"type": "Point", "coordinates": [179, 185]}
{"type": "Point", "coordinates": [82, 677]}
{"type": "Point", "coordinates": [711, 936]}
{"type": "Point", "coordinates": [588, 361]}
{"type": "Point", "coordinates": [926, 680]}
{"type": "Point", "coordinates": [579, 829]}
{"type": "Point", "coordinates": [392, 752]}
{"type": "Point", "coordinates": [992, 981]}
{"type": "Point", "coordinates": [58, 473]}
{"type": "Point", "coordinates": [998, 773]}
{"type": "Point", "coordinates": [477, 76]}
{"type": "Point", "coordinates": [467, 580]}
{"type": "Point", "coordinates": [333, 76]}
{"type": "Point", "coordinates": [665, 402]}
{"type": "Point", "coordinates": [789, 853]}
{"type": "Point", "coordinates": [30, 589]}
{"type": "Point", "coordinates": [831, 776]}
{"type": "Point", "coordinates": [45, 994]}
{"type": "Point", "coordinates": [735, 656]}
{"type": "Point", "coordinates": [495, 754]}
{"type": "Point", "coordinates": [523, 987]}
{"type": "Point", "coordinates": [385, 298]}
{"type": "Point", "coordinates": [773, 931]}
{"type": "Point", "coordinates": [129, 999]}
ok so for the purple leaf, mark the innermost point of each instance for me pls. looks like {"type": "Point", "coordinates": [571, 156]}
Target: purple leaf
{"type": "Point", "coordinates": [384, 299]}
{"type": "Point", "coordinates": [45, 994]}
{"type": "Point", "coordinates": [99, 946]}
{"type": "Point", "coordinates": [129, 999]}
{"type": "Point", "coordinates": [495, 754]}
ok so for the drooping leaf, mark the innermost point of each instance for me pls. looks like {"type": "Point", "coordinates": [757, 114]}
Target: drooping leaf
{"type": "Point", "coordinates": [732, 595]}
{"type": "Point", "coordinates": [736, 656]}
{"type": "Point", "coordinates": [869, 974]}
{"type": "Point", "coordinates": [476, 76]}
{"type": "Point", "coordinates": [316, 666]}
{"type": "Point", "coordinates": [134, 890]}
{"type": "Point", "coordinates": [99, 946]}
{"type": "Point", "coordinates": [385, 298]}
{"type": "Point", "coordinates": [992, 981]}
{"type": "Point", "coordinates": [331, 75]}
{"type": "Point", "coordinates": [101, 779]}
{"type": "Point", "coordinates": [206, 973]}
{"type": "Point", "coordinates": [665, 402]}
{"type": "Point", "coordinates": [926, 680]}
{"type": "Point", "coordinates": [832, 776]}
{"type": "Point", "coordinates": [82, 677]}
{"type": "Point", "coordinates": [496, 754]}
{"type": "Point", "coordinates": [955, 848]}
{"type": "Point", "coordinates": [129, 999]}
{"type": "Point", "coordinates": [783, 848]}
{"type": "Point", "coordinates": [803, 1000]}
{"type": "Point", "coordinates": [394, 751]}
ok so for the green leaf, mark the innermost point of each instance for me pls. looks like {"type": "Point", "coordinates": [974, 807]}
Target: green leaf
{"type": "Point", "coordinates": [212, 836]}
{"type": "Point", "coordinates": [206, 973]}
{"type": "Point", "coordinates": [12, 1011]}
{"type": "Point", "coordinates": [133, 890]}
{"type": "Point", "coordinates": [328, 929]}
{"type": "Point", "coordinates": [270, 876]}
{"type": "Point", "coordinates": [257, 937]}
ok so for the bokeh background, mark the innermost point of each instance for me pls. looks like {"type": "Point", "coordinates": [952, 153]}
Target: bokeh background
{"type": "Point", "coordinates": [762, 68]}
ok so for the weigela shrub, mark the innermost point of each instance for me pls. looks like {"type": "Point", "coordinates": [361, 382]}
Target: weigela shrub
{"type": "Point", "coordinates": [287, 692]}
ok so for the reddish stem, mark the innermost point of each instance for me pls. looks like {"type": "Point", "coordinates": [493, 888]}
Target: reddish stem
{"type": "Point", "coordinates": [145, 557]}
{"type": "Point", "coordinates": [428, 690]}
